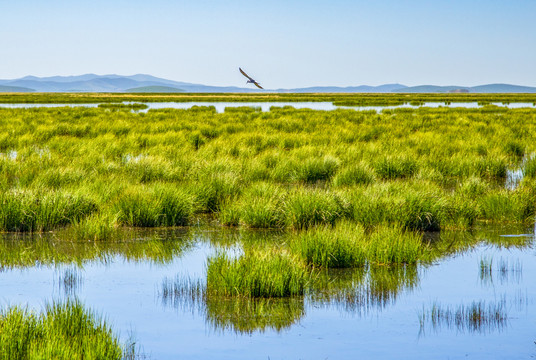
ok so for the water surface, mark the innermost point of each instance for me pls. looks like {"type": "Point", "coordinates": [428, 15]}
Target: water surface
{"type": "Point", "coordinates": [136, 282]}
{"type": "Point", "coordinates": [265, 106]}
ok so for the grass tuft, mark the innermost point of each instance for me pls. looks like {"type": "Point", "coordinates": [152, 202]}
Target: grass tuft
{"type": "Point", "coordinates": [256, 274]}
{"type": "Point", "coordinates": [63, 331]}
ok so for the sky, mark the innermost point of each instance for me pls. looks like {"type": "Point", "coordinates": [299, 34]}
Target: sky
{"type": "Point", "coordinates": [282, 44]}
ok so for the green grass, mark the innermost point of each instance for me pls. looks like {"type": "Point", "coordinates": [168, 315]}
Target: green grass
{"type": "Point", "coordinates": [425, 169]}
{"type": "Point", "coordinates": [41, 211]}
{"type": "Point", "coordinates": [63, 331]}
{"type": "Point", "coordinates": [267, 274]}
{"type": "Point", "coordinates": [393, 168]}
{"type": "Point", "coordinates": [342, 247]}
{"type": "Point", "coordinates": [348, 245]}
{"type": "Point", "coordinates": [349, 99]}
{"type": "Point", "coordinates": [392, 245]}
{"type": "Point", "coordinates": [308, 207]}
{"type": "Point", "coordinates": [161, 205]}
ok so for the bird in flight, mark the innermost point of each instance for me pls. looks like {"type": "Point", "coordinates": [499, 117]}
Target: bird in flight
{"type": "Point", "coordinates": [250, 80]}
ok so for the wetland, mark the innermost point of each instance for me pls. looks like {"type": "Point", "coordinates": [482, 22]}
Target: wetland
{"type": "Point", "coordinates": [278, 233]}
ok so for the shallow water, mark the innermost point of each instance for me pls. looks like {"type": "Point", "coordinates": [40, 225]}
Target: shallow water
{"type": "Point", "coordinates": [364, 313]}
{"type": "Point", "coordinates": [265, 106]}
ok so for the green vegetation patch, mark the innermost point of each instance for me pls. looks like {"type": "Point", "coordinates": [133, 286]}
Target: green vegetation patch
{"type": "Point", "coordinates": [62, 331]}
{"type": "Point", "coordinates": [257, 274]}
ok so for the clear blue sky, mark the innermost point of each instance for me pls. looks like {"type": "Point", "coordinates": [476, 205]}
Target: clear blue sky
{"type": "Point", "coordinates": [283, 44]}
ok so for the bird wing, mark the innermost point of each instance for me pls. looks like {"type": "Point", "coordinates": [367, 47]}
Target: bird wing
{"type": "Point", "coordinates": [246, 75]}
{"type": "Point", "coordinates": [257, 85]}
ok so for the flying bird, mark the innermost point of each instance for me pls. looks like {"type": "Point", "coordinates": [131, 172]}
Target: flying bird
{"type": "Point", "coordinates": [250, 80]}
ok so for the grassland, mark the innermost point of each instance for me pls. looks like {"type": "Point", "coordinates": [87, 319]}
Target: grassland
{"type": "Point", "coordinates": [348, 188]}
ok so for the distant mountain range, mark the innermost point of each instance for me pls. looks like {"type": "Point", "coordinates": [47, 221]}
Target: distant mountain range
{"type": "Point", "coordinates": [148, 83]}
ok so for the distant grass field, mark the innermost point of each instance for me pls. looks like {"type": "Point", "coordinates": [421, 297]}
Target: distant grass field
{"type": "Point", "coordinates": [343, 99]}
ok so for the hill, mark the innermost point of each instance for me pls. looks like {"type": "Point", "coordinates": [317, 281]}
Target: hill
{"type": "Point", "coordinates": [4, 88]}
{"type": "Point", "coordinates": [149, 83]}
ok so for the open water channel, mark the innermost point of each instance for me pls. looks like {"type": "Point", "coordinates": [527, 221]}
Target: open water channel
{"type": "Point", "coordinates": [265, 106]}
{"type": "Point", "coordinates": [138, 283]}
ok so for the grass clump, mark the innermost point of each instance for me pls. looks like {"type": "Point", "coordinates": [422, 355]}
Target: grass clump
{"type": "Point", "coordinates": [348, 245]}
{"type": "Point", "coordinates": [392, 245]}
{"type": "Point", "coordinates": [529, 168]}
{"type": "Point", "coordinates": [214, 190]}
{"type": "Point", "coordinates": [340, 247]}
{"type": "Point", "coordinates": [315, 169]}
{"type": "Point", "coordinates": [307, 207]}
{"type": "Point", "coordinates": [262, 207]}
{"type": "Point", "coordinates": [35, 211]}
{"type": "Point", "coordinates": [355, 174]}
{"type": "Point", "coordinates": [395, 168]}
{"type": "Point", "coordinates": [256, 274]}
{"type": "Point", "coordinates": [62, 331]}
{"type": "Point", "coordinates": [96, 227]}
{"type": "Point", "coordinates": [420, 211]}
{"type": "Point", "coordinates": [161, 205]}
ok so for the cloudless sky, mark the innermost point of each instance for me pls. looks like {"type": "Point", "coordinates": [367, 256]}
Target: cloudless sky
{"type": "Point", "coordinates": [282, 44]}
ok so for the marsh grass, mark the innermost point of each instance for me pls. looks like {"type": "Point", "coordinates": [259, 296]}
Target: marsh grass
{"type": "Point", "coordinates": [306, 207]}
{"type": "Point", "coordinates": [508, 206]}
{"type": "Point", "coordinates": [262, 206]}
{"type": "Point", "coordinates": [342, 247]}
{"type": "Point", "coordinates": [348, 245]}
{"type": "Point", "coordinates": [96, 227]}
{"type": "Point", "coordinates": [529, 168]}
{"type": "Point", "coordinates": [395, 167]}
{"type": "Point", "coordinates": [42, 211]}
{"type": "Point", "coordinates": [393, 245]}
{"type": "Point", "coordinates": [355, 174]}
{"type": "Point", "coordinates": [121, 106]}
{"type": "Point", "coordinates": [214, 190]}
{"type": "Point", "coordinates": [63, 331]}
{"type": "Point", "coordinates": [348, 99]}
{"type": "Point", "coordinates": [421, 211]}
{"type": "Point", "coordinates": [425, 169]}
{"type": "Point", "coordinates": [161, 205]}
{"type": "Point", "coordinates": [270, 273]}
{"type": "Point", "coordinates": [315, 169]}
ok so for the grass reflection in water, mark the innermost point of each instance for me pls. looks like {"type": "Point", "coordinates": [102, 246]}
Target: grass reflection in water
{"type": "Point", "coordinates": [27, 250]}
{"type": "Point", "coordinates": [237, 314]}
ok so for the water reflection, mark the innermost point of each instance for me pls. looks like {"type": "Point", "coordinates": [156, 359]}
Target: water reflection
{"type": "Point", "coordinates": [362, 290]}
{"type": "Point", "coordinates": [236, 314]}
{"type": "Point", "coordinates": [245, 315]}
{"type": "Point", "coordinates": [505, 270]}
{"type": "Point", "coordinates": [479, 317]}
{"type": "Point", "coordinates": [20, 250]}
{"type": "Point", "coordinates": [70, 281]}
{"type": "Point", "coordinates": [120, 280]}
{"type": "Point", "coordinates": [355, 291]}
